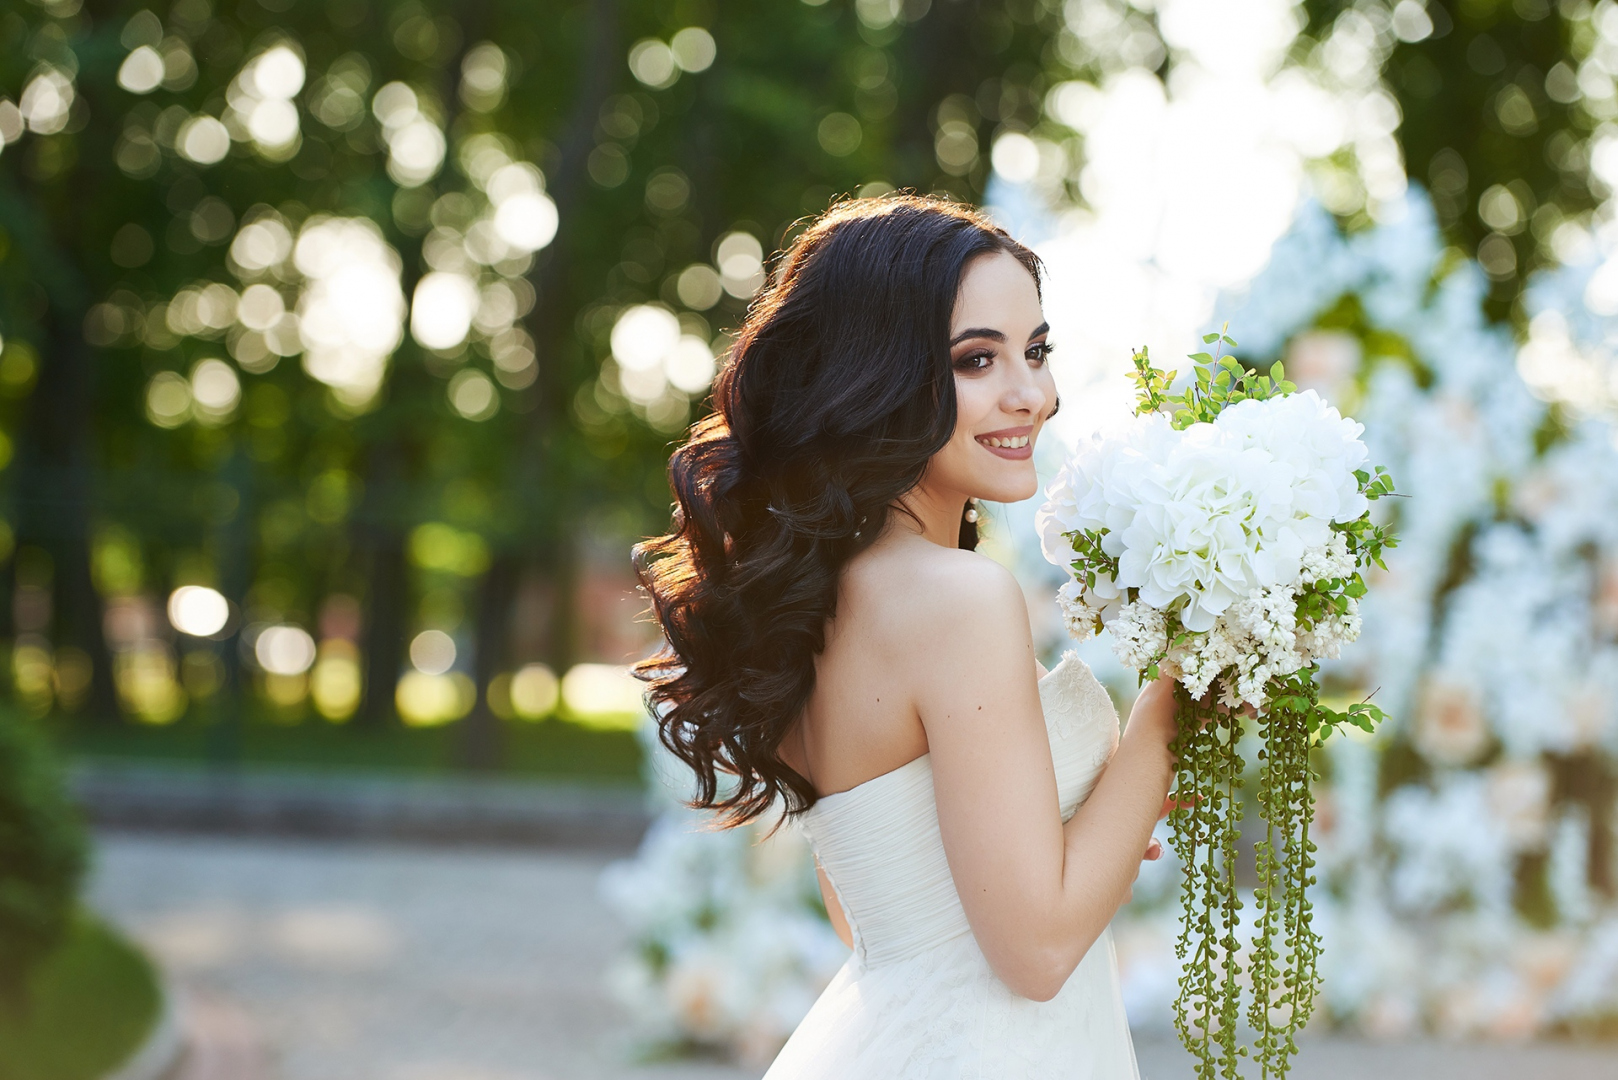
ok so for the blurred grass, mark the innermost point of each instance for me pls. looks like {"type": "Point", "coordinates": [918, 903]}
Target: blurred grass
{"type": "Point", "coordinates": [90, 1004]}
{"type": "Point", "coordinates": [550, 749]}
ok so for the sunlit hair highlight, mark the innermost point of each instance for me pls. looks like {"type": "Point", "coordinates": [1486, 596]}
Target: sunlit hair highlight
{"type": "Point", "coordinates": [837, 392]}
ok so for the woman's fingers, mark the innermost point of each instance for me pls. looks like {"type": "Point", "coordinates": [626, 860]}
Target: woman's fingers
{"type": "Point", "coordinates": [1154, 850]}
{"type": "Point", "coordinates": [1172, 803]}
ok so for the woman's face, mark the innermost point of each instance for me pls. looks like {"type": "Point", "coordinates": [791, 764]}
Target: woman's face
{"type": "Point", "coordinates": [1003, 386]}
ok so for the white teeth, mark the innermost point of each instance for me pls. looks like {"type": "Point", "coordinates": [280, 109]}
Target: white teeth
{"type": "Point", "coordinates": [1014, 443]}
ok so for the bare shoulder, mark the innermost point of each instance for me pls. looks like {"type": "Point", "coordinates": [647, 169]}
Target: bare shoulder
{"type": "Point", "coordinates": [920, 592]}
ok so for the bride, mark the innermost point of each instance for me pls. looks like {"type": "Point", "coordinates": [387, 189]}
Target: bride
{"type": "Point", "coordinates": [837, 650]}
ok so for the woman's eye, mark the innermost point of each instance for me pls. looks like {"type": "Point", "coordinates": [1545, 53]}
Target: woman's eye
{"type": "Point", "coordinates": [1040, 353]}
{"type": "Point", "coordinates": [976, 361]}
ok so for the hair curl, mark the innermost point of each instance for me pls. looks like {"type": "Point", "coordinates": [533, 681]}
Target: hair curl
{"type": "Point", "coordinates": [837, 392]}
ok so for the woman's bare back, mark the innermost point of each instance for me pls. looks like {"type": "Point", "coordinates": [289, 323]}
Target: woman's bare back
{"type": "Point", "coordinates": [862, 720]}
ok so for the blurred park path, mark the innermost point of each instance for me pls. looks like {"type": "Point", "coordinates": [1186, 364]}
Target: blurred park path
{"type": "Point", "coordinates": [306, 960]}
{"type": "Point", "coordinates": [378, 962]}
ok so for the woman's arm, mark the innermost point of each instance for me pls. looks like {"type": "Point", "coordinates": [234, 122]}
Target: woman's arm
{"type": "Point", "coordinates": [1037, 893]}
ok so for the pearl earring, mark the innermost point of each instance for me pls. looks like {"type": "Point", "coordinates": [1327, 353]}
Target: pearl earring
{"type": "Point", "coordinates": [971, 512]}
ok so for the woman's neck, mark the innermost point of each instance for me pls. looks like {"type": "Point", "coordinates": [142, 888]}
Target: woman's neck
{"type": "Point", "coordinates": [933, 515]}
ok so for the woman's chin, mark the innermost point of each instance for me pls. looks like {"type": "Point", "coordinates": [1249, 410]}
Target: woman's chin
{"type": "Point", "coordinates": [1010, 491]}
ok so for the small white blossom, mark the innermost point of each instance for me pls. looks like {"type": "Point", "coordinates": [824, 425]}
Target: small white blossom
{"type": "Point", "coordinates": [1330, 561]}
{"type": "Point", "coordinates": [1326, 640]}
{"type": "Point", "coordinates": [1083, 619]}
{"type": "Point", "coordinates": [1140, 634]}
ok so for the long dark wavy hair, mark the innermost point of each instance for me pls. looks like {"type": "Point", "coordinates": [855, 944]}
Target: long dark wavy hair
{"type": "Point", "coordinates": [836, 394]}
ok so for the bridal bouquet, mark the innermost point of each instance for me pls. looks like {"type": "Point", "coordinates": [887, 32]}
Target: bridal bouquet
{"type": "Point", "coordinates": [1220, 538]}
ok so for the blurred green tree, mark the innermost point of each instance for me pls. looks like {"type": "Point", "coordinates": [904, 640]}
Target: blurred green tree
{"type": "Point", "coordinates": [1499, 100]}
{"type": "Point", "coordinates": [391, 307]}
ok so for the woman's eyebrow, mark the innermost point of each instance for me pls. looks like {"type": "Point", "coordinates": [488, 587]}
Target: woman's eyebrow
{"type": "Point", "coordinates": [977, 332]}
{"type": "Point", "coordinates": [1042, 328]}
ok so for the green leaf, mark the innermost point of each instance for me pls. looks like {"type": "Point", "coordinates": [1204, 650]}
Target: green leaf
{"type": "Point", "coordinates": [1209, 339]}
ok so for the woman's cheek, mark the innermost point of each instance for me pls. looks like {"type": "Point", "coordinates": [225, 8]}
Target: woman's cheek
{"type": "Point", "coordinates": [972, 404]}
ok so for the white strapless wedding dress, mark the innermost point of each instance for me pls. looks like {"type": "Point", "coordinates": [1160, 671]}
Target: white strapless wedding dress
{"type": "Point", "coordinates": [917, 1000]}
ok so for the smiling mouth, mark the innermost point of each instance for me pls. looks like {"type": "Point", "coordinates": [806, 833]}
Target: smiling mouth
{"type": "Point", "coordinates": [1014, 444]}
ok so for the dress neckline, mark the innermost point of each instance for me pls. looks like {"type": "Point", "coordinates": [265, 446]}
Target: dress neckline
{"type": "Point", "coordinates": [923, 756]}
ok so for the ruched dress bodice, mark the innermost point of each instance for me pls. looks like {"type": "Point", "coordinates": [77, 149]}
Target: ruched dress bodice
{"type": "Point", "coordinates": [917, 998]}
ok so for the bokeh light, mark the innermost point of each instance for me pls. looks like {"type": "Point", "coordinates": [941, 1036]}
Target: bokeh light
{"type": "Point", "coordinates": [261, 245]}
{"type": "Point", "coordinates": [204, 140]}
{"type": "Point", "coordinates": [198, 610]}
{"type": "Point", "coordinates": [483, 77]}
{"type": "Point", "coordinates": [442, 310]}
{"type": "Point", "coordinates": [215, 391]}
{"type": "Point", "coordinates": [699, 287]}
{"type": "Point", "coordinates": [643, 335]}
{"type": "Point", "coordinates": [351, 311]}
{"type": "Point", "coordinates": [284, 649]}
{"type": "Point", "coordinates": [526, 219]}
{"type": "Point", "coordinates": [472, 394]}
{"type": "Point", "coordinates": [740, 258]}
{"type": "Point", "coordinates": [693, 49]}
{"type": "Point", "coordinates": [440, 547]}
{"type": "Point", "coordinates": [534, 692]}
{"type": "Point", "coordinates": [425, 700]}
{"type": "Point", "coordinates": [690, 365]}
{"type": "Point", "coordinates": [168, 399]}
{"type": "Point", "coordinates": [603, 695]}
{"type": "Point", "coordinates": [46, 101]}
{"type": "Point", "coordinates": [416, 145]}
{"type": "Point", "coordinates": [1016, 157]}
{"type": "Point", "coordinates": [840, 135]}
{"type": "Point", "coordinates": [146, 679]}
{"type": "Point", "coordinates": [432, 652]}
{"type": "Point", "coordinates": [652, 62]}
{"type": "Point", "coordinates": [142, 71]}
{"type": "Point", "coordinates": [335, 682]}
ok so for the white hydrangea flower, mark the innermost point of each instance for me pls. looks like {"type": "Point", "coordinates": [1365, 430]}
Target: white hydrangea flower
{"type": "Point", "coordinates": [1199, 518]}
{"type": "Point", "coordinates": [1321, 446]}
{"type": "Point", "coordinates": [1098, 489]}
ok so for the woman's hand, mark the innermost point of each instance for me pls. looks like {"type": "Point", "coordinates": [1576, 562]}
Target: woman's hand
{"type": "Point", "coordinates": [1153, 713]}
{"type": "Point", "coordinates": [1154, 846]}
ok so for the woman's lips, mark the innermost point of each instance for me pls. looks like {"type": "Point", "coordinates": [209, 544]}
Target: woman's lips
{"type": "Point", "coordinates": [1015, 444]}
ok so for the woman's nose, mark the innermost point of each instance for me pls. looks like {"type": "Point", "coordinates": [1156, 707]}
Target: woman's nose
{"type": "Point", "coordinates": [1024, 395]}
